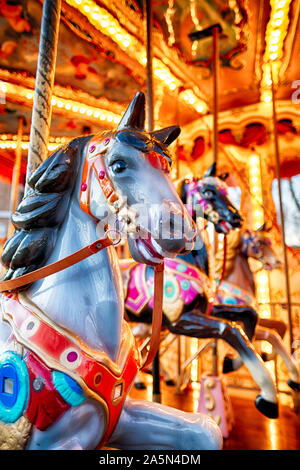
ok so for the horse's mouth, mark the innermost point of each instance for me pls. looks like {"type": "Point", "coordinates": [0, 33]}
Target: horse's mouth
{"type": "Point", "coordinates": [150, 251]}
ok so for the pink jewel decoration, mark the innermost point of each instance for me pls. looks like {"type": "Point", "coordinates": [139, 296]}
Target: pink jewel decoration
{"type": "Point", "coordinates": [83, 187]}
{"type": "Point", "coordinates": [106, 141]}
{"type": "Point", "coordinates": [92, 148]}
{"type": "Point", "coordinates": [72, 356]}
{"type": "Point", "coordinates": [101, 174]}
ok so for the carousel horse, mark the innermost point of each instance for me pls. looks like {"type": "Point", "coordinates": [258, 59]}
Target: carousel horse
{"type": "Point", "coordinates": [238, 288]}
{"type": "Point", "coordinates": [68, 356]}
{"type": "Point", "coordinates": [189, 306]}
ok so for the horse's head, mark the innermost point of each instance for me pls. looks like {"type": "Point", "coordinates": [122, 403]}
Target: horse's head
{"type": "Point", "coordinates": [126, 183]}
{"type": "Point", "coordinates": [257, 245]}
{"type": "Point", "coordinates": [208, 196]}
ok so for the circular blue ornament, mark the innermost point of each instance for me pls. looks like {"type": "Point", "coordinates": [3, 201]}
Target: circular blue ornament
{"type": "Point", "coordinates": [68, 388]}
{"type": "Point", "coordinates": [14, 386]}
{"type": "Point", "coordinates": [185, 285]}
{"type": "Point", "coordinates": [181, 267]}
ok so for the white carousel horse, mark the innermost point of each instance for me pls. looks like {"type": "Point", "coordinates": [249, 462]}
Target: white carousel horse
{"type": "Point", "coordinates": [68, 356]}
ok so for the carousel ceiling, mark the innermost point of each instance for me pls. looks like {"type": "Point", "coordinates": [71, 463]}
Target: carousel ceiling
{"type": "Point", "coordinates": [101, 60]}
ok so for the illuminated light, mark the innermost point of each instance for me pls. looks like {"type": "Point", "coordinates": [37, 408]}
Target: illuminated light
{"type": "Point", "coordinates": [273, 56]}
{"type": "Point", "coordinates": [75, 108]}
{"type": "Point", "coordinates": [53, 101]}
{"type": "Point", "coordinates": [254, 160]}
{"type": "Point", "coordinates": [68, 106]}
{"type": "Point", "coordinates": [278, 14]}
{"type": "Point", "coordinates": [267, 98]}
{"type": "Point", "coordinates": [96, 114]}
{"type": "Point", "coordinates": [60, 104]}
{"type": "Point", "coordinates": [109, 118]}
{"type": "Point", "coordinates": [108, 25]}
{"type": "Point", "coordinates": [257, 213]}
{"type": "Point", "coordinates": [89, 112]}
{"type": "Point", "coordinates": [82, 110]}
{"type": "Point", "coordinates": [29, 96]}
{"type": "Point", "coordinates": [281, 4]}
{"type": "Point", "coordinates": [102, 117]}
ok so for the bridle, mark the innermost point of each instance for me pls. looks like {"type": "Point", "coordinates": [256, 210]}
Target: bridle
{"type": "Point", "coordinates": [94, 162]}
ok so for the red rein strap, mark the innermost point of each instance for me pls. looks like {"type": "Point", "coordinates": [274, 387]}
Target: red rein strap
{"type": "Point", "coordinates": [157, 313]}
{"type": "Point", "coordinates": [53, 268]}
{"type": "Point", "coordinates": [82, 254]}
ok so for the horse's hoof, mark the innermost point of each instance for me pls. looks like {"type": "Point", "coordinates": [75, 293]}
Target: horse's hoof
{"type": "Point", "coordinates": [267, 408]}
{"type": "Point", "coordinates": [170, 382]}
{"type": "Point", "coordinates": [227, 365]}
{"type": "Point", "coordinates": [294, 385]}
{"type": "Point", "coordinates": [140, 385]}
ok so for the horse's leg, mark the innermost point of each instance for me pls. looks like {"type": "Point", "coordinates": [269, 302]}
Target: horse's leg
{"type": "Point", "coordinates": [149, 425]}
{"type": "Point", "coordinates": [79, 428]}
{"type": "Point", "coordinates": [245, 315]}
{"type": "Point", "coordinates": [272, 337]}
{"type": "Point", "coordinates": [275, 340]}
{"type": "Point", "coordinates": [197, 325]}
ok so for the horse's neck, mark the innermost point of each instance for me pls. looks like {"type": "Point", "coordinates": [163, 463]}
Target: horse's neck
{"type": "Point", "coordinates": [198, 257]}
{"type": "Point", "coordinates": [86, 298]}
{"type": "Point", "coordinates": [241, 274]}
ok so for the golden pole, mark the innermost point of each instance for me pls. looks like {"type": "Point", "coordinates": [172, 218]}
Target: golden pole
{"type": "Point", "coordinates": [282, 221]}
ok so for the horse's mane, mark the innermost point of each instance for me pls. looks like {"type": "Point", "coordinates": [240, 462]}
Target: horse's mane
{"type": "Point", "coordinates": [42, 210]}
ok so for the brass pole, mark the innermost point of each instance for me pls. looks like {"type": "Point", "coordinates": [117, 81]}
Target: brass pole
{"type": "Point", "coordinates": [282, 221]}
{"type": "Point", "coordinates": [42, 107]}
{"type": "Point", "coordinates": [215, 34]}
{"type": "Point", "coordinates": [156, 394]}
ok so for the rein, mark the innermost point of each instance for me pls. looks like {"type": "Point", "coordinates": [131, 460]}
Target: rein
{"type": "Point", "coordinates": [82, 254]}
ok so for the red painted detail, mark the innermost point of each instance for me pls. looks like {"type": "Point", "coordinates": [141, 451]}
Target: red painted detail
{"type": "Point", "coordinates": [46, 405]}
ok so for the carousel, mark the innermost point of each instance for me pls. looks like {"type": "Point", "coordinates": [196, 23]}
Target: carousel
{"type": "Point", "coordinates": [149, 225]}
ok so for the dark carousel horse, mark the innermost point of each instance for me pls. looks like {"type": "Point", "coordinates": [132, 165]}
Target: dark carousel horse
{"type": "Point", "coordinates": [189, 304]}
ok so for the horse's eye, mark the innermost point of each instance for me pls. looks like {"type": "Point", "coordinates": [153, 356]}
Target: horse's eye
{"type": "Point", "coordinates": [208, 194]}
{"type": "Point", "coordinates": [118, 166]}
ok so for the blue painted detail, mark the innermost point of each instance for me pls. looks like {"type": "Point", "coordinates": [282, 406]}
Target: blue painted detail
{"type": "Point", "coordinates": [185, 285]}
{"type": "Point", "coordinates": [38, 384]}
{"type": "Point", "coordinates": [68, 388]}
{"type": "Point", "coordinates": [182, 268]}
{"type": "Point", "coordinates": [169, 289]}
{"type": "Point", "coordinates": [14, 387]}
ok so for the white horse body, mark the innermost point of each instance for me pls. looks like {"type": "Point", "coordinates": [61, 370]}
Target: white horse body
{"type": "Point", "coordinates": [87, 300]}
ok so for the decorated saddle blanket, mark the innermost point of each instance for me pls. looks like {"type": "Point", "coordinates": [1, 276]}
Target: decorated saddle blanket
{"type": "Point", "coordinates": [230, 294]}
{"type": "Point", "coordinates": [182, 284]}
{"type": "Point", "coordinates": [58, 371]}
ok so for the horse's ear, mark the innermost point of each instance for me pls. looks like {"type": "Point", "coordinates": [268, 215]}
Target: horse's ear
{"type": "Point", "coordinates": [211, 171]}
{"type": "Point", "coordinates": [223, 176]}
{"type": "Point", "coordinates": [134, 116]}
{"type": "Point", "coordinates": [167, 135]}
